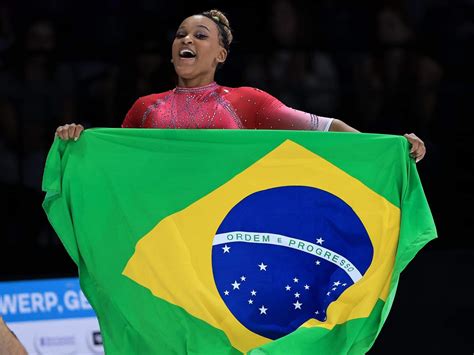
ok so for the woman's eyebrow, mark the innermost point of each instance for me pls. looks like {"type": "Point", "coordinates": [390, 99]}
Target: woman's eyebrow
{"type": "Point", "coordinates": [203, 27]}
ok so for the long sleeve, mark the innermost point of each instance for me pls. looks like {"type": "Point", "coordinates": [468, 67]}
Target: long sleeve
{"type": "Point", "coordinates": [285, 117]}
{"type": "Point", "coordinates": [260, 110]}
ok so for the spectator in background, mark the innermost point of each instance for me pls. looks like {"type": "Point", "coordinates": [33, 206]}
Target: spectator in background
{"type": "Point", "coordinates": [446, 30]}
{"type": "Point", "coordinates": [8, 134]}
{"type": "Point", "coordinates": [6, 33]}
{"type": "Point", "coordinates": [297, 72]}
{"type": "Point", "coordinates": [302, 74]}
{"type": "Point", "coordinates": [36, 94]}
{"type": "Point", "coordinates": [96, 81]}
{"type": "Point", "coordinates": [397, 84]}
{"type": "Point", "coordinates": [146, 70]}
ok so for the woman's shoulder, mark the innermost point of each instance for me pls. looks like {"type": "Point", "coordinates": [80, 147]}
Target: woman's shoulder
{"type": "Point", "coordinates": [147, 100]}
{"type": "Point", "coordinates": [135, 113]}
{"type": "Point", "coordinates": [244, 92]}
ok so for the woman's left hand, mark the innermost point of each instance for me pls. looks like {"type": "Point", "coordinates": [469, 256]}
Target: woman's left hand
{"type": "Point", "coordinates": [418, 149]}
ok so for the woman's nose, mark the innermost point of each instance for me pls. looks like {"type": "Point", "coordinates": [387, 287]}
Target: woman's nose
{"type": "Point", "coordinates": [187, 39]}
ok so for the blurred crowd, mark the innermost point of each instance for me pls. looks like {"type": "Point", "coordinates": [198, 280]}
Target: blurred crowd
{"type": "Point", "coordinates": [381, 66]}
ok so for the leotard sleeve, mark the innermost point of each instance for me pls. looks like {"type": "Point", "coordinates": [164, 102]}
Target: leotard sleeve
{"type": "Point", "coordinates": [258, 109]}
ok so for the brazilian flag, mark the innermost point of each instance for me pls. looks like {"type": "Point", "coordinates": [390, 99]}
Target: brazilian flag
{"type": "Point", "coordinates": [237, 241]}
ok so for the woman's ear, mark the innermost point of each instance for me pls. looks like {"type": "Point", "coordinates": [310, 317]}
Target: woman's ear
{"type": "Point", "coordinates": [222, 55]}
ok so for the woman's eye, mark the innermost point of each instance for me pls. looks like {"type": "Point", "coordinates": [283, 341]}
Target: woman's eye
{"type": "Point", "coordinates": [179, 35]}
{"type": "Point", "coordinates": [200, 35]}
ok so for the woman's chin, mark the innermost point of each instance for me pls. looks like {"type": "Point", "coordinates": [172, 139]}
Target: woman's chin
{"type": "Point", "coordinates": [185, 73]}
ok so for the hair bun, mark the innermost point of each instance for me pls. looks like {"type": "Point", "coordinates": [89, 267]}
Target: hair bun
{"type": "Point", "coordinates": [220, 18]}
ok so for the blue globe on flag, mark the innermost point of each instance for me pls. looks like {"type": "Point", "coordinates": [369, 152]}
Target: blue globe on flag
{"type": "Point", "coordinates": [281, 256]}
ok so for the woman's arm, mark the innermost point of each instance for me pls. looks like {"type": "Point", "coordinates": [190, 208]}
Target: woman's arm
{"type": "Point", "coordinates": [340, 126]}
{"type": "Point", "coordinates": [270, 113]}
{"type": "Point", "coordinates": [258, 109]}
{"type": "Point", "coordinates": [417, 150]}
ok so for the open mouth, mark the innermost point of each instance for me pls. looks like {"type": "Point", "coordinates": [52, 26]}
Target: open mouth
{"type": "Point", "coordinates": [187, 53]}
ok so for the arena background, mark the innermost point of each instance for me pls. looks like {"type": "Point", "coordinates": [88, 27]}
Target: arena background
{"type": "Point", "coordinates": [382, 66]}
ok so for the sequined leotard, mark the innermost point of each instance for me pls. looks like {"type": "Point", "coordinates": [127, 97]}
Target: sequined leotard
{"type": "Point", "coordinates": [215, 106]}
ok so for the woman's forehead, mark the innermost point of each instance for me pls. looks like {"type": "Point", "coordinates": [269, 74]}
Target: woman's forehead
{"type": "Point", "coordinates": [198, 20]}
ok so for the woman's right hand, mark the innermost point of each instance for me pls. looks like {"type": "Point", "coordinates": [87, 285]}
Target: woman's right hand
{"type": "Point", "coordinates": [69, 131]}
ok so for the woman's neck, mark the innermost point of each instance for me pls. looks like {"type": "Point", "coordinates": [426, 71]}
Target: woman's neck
{"type": "Point", "coordinates": [195, 82]}
{"type": "Point", "coordinates": [196, 89]}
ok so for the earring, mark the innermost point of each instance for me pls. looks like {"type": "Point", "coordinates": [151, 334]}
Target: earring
{"type": "Point", "coordinates": [171, 60]}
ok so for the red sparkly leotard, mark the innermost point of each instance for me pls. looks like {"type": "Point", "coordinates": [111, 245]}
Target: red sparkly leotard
{"type": "Point", "coordinates": [215, 106]}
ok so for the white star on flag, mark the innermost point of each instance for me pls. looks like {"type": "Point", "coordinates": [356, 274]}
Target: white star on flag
{"type": "Point", "coordinates": [253, 292]}
{"type": "Point", "coordinates": [236, 285]}
{"type": "Point", "coordinates": [320, 241]}
{"type": "Point", "coordinates": [250, 301]}
{"type": "Point", "coordinates": [295, 280]}
{"type": "Point", "coordinates": [337, 283]}
{"type": "Point", "coordinates": [306, 287]}
{"type": "Point", "coordinates": [297, 305]}
{"type": "Point", "coordinates": [226, 293]}
{"type": "Point", "coordinates": [334, 288]}
{"type": "Point", "coordinates": [226, 249]}
{"type": "Point", "coordinates": [318, 262]}
{"type": "Point", "coordinates": [288, 287]}
{"type": "Point", "coordinates": [327, 294]}
{"type": "Point", "coordinates": [243, 278]}
{"type": "Point", "coordinates": [263, 310]}
{"type": "Point", "coordinates": [263, 267]}
{"type": "Point", "coordinates": [297, 295]}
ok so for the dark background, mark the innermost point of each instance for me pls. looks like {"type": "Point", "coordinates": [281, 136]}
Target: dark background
{"type": "Point", "coordinates": [381, 66]}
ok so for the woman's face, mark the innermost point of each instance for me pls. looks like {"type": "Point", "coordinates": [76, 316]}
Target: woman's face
{"type": "Point", "coordinates": [196, 50]}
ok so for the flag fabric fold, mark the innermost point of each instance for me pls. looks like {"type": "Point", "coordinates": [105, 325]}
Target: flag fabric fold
{"type": "Point", "coordinates": [237, 241]}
